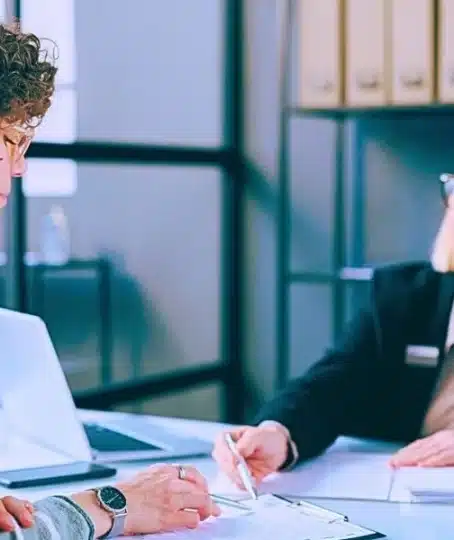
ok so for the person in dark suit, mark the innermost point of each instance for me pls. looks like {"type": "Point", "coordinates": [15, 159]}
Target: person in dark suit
{"type": "Point", "coordinates": [390, 377]}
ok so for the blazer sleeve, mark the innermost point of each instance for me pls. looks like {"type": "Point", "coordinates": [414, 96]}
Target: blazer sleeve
{"type": "Point", "coordinates": [317, 406]}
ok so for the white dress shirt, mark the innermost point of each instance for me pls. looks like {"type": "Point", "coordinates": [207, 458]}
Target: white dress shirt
{"type": "Point", "coordinates": [440, 414]}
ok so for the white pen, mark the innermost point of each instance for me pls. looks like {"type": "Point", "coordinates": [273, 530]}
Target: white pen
{"type": "Point", "coordinates": [242, 467]}
{"type": "Point", "coordinates": [229, 502]}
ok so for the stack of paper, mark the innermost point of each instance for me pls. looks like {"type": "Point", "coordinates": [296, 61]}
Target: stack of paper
{"type": "Point", "coordinates": [424, 485]}
{"type": "Point", "coordinates": [343, 475]}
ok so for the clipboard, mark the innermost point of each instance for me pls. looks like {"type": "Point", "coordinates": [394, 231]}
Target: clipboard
{"type": "Point", "coordinates": [273, 516]}
{"type": "Point", "coordinates": [331, 517]}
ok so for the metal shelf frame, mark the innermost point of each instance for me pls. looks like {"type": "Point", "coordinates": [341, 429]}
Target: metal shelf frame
{"type": "Point", "coordinates": [341, 274]}
{"type": "Point", "coordinates": [348, 243]}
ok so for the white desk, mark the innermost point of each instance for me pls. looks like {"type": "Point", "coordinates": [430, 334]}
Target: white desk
{"type": "Point", "coordinates": [398, 521]}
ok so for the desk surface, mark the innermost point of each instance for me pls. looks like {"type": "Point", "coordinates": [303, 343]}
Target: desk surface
{"type": "Point", "coordinates": [397, 521]}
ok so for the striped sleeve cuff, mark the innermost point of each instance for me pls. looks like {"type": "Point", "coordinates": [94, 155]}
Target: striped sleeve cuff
{"type": "Point", "coordinates": [60, 518]}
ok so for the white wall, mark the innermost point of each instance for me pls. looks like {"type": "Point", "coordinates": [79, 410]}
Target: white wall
{"type": "Point", "coordinates": [150, 70]}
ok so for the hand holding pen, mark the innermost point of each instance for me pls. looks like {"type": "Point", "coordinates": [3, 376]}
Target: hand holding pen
{"type": "Point", "coordinates": [242, 467]}
{"type": "Point", "coordinates": [263, 449]}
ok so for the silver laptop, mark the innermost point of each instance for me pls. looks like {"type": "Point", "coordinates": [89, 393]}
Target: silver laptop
{"type": "Point", "coordinates": [42, 419]}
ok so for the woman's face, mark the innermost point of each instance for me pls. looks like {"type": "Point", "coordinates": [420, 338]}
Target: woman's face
{"type": "Point", "coordinates": [14, 142]}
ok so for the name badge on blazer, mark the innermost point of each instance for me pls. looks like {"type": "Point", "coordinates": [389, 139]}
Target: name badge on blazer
{"type": "Point", "coordinates": [421, 355]}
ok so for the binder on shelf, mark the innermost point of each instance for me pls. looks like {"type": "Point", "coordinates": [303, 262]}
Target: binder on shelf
{"type": "Point", "coordinates": [365, 57]}
{"type": "Point", "coordinates": [320, 59]}
{"type": "Point", "coordinates": [446, 51]}
{"type": "Point", "coordinates": [412, 24]}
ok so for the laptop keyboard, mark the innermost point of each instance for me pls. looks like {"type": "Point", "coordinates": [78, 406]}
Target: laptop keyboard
{"type": "Point", "coordinates": [103, 439]}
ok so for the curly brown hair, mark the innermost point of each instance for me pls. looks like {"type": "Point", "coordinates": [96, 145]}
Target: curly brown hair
{"type": "Point", "coordinates": [27, 76]}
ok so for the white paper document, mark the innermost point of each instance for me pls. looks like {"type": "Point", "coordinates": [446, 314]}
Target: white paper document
{"type": "Point", "coordinates": [339, 475]}
{"type": "Point", "coordinates": [423, 485]}
{"type": "Point", "coordinates": [271, 518]}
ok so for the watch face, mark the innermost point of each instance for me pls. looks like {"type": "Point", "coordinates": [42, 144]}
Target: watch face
{"type": "Point", "coordinates": [113, 498]}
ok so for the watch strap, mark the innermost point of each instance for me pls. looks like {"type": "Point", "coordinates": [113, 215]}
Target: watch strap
{"type": "Point", "coordinates": [118, 526]}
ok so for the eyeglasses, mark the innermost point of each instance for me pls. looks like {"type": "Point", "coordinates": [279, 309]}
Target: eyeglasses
{"type": "Point", "coordinates": [17, 140]}
{"type": "Point", "coordinates": [447, 187]}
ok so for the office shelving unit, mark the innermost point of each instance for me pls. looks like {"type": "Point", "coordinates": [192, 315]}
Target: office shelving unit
{"type": "Point", "coordinates": [348, 264]}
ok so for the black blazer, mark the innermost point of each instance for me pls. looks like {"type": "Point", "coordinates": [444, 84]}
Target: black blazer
{"type": "Point", "coordinates": [363, 386]}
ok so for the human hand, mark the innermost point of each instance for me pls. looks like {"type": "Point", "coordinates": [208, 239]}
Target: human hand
{"type": "Point", "coordinates": [21, 511]}
{"type": "Point", "coordinates": [159, 500]}
{"type": "Point", "coordinates": [437, 450]}
{"type": "Point", "coordinates": [264, 448]}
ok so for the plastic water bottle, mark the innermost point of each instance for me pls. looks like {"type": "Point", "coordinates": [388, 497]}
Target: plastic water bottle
{"type": "Point", "coordinates": [55, 241]}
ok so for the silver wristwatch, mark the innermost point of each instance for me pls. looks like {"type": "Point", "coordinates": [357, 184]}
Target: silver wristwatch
{"type": "Point", "coordinates": [114, 502]}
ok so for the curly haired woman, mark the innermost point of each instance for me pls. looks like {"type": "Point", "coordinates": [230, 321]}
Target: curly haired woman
{"type": "Point", "coordinates": [161, 498]}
